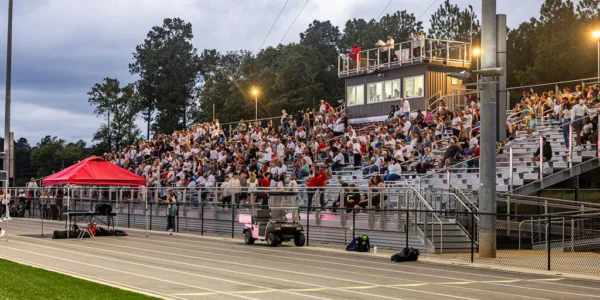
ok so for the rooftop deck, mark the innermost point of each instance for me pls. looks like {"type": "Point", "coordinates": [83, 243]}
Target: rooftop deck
{"type": "Point", "coordinates": [424, 50]}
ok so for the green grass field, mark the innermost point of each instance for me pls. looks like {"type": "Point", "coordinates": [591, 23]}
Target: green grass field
{"type": "Point", "coordinates": [23, 282]}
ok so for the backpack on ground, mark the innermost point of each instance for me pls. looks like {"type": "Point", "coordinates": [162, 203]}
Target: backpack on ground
{"type": "Point", "coordinates": [407, 254]}
{"type": "Point", "coordinates": [359, 244]}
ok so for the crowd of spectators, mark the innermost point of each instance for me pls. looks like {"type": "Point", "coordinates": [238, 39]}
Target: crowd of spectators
{"type": "Point", "coordinates": [569, 109]}
{"type": "Point", "coordinates": [256, 155]}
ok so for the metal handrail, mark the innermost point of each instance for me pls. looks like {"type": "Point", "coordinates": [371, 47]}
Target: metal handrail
{"type": "Point", "coordinates": [551, 83]}
{"type": "Point", "coordinates": [547, 225]}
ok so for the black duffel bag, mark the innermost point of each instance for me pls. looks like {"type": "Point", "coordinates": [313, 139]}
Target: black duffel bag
{"type": "Point", "coordinates": [407, 254]}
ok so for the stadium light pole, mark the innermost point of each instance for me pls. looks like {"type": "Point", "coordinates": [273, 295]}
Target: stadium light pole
{"type": "Point", "coordinates": [477, 54]}
{"type": "Point", "coordinates": [255, 93]}
{"type": "Point", "coordinates": [7, 100]}
{"type": "Point", "coordinates": [487, 160]}
{"type": "Point", "coordinates": [596, 35]}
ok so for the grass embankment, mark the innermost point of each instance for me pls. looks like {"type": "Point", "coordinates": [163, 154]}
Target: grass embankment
{"type": "Point", "coordinates": [19, 281]}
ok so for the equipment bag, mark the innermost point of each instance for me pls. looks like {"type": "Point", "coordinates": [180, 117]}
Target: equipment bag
{"type": "Point", "coordinates": [407, 254]}
{"type": "Point", "coordinates": [359, 244]}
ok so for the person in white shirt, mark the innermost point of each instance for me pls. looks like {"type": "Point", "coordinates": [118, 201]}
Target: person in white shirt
{"type": "Point", "coordinates": [280, 150]}
{"type": "Point", "coordinates": [338, 161]}
{"type": "Point", "coordinates": [467, 122]}
{"type": "Point", "coordinates": [393, 171]}
{"type": "Point", "coordinates": [356, 152]}
{"type": "Point", "coordinates": [579, 111]}
{"type": "Point", "coordinates": [226, 193]}
{"type": "Point", "coordinates": [235, 188]}
{"type": "Point", "coordinates": [404, 110]}
{"type": "Point", "coordinates": [456, 126]}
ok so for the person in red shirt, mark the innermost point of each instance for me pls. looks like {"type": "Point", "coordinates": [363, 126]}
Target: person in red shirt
{"type": "Point", "coordinates": [313, 184]}
{"type": "Point", "coordinates": [355, 55]}
{"type": "Point", "coordinates": [265, 184]}
{"type": "Point", "coordinates": [323, 177]}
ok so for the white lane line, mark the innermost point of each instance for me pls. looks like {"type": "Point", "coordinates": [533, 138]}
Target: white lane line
{"type": "Point", "coordinates": [312, 267]}
{"type": "Point", "coordinates": [233, 245]}
{"type": "Point", "coordinates": [114, 284]}
{"type": "Point", "coordinates": [379, 269]}
{"type": "Point", "coordinates": [188, 264]}
{"type": "Point", "coordinates": [270, 269]}
{"type": "Point", "coordinates": [116, 270]}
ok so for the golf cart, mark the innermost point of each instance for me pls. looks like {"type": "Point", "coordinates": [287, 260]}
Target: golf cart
{"type": "Point", "coordinates": [272, 224]}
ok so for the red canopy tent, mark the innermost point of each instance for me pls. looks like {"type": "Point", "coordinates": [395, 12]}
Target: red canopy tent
{"type": "Point", "coordinates": [94, 171]}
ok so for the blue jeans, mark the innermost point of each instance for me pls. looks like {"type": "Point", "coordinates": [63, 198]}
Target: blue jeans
{"type": "Point", "coordinates": [391, 177]}
{"type": "Point", "coordinates": [565, 132]}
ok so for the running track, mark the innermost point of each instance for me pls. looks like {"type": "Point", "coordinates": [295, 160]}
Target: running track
{"type": "Point", "coordinates": [183, 266]}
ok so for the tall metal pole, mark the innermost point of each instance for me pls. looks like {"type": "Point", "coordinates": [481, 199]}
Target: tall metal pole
{"type": "Point", "coordinates": [7, 101]}
{"type": "Point", "coordinates": [256, 107]}
{"type": "Point", "coordinates": [502, 105]}
{"type": "Point", "coordinates": [487, 178]}
{"type": "Point", "coordinates": [599, 58]}
{"type": "Point", "coordinates": [471, 35]}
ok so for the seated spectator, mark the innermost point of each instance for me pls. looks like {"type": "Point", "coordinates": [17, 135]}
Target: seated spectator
{"type": "Point", "coordinates": [452, 154]}
{"type": "Point", "coordinates": [393, 171]}
{"type": "Point", "coordinates": [546, 154]}
{"type": "Point", "coordinates": [426, 161]}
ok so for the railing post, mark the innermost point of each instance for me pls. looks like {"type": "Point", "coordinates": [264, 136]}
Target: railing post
{"type": "Point", "coordinates": [151, 205]}
{"type": "Point", "coordinates": [473, 236]}
{"type": "Point", "coordinates": [377, 66]}
{"type": "Point", "coordinates": [541, 158]}
{"type": "Point", "coordinates": [232, 220]}
{"type": "Point", "coordinates": [128, 214]}
{"type": "Point", "coordinates": [308, 225]}
{"type": "Point", "coordinates": [367, 60]}
{"type": "Point", "coordinates": [549, 239]}
{"type": "Point", "coordinates": [353, 223]}
{"type": "Point", "coordinates": [201, 218]}
{"type": "Point", "coordinates": [510, 166]}
{"type": "Point", "coordinates": [447, 51]}
{"type": "Point", "coordinates": [571, 145]}
{"type": "Point", "coordinates": [407, 226]}
{"type": "Point", "coordinates": [177, 205]}
{"type": "Point", "coordinates": [532, 230]}
{"type": "Point", "coordinates": [448, 178]}
{"type": "Point", "coordinates": [411, 52]}
{"type": "Point", "coordinates": [572, 234]}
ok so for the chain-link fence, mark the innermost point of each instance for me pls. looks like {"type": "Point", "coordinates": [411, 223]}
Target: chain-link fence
{"type": "Point", "coordinates": [449, 228]}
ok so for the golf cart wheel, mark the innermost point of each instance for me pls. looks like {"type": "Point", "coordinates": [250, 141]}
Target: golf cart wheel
{"type": "Point", "coordinates": [272, 240]}
{"type": "Point", "coordinates": [248, 238]}
{"type": "Point", "coordinates": [300, 240]}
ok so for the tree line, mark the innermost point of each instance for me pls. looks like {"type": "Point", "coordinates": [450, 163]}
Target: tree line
{"type": "Point", "coordinates": [178, 85]}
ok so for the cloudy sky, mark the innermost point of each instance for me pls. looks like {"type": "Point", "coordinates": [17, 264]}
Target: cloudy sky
{"type": "Point", "coordinates": [62, 47]}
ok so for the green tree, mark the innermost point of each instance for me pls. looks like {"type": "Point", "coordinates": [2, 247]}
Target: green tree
{"type": "Point", "coordinates": [324, 37]}
{"type": "Point", "coordinates": [167, 64]}
{"type": "Point", "coordinates": [53, 154]}
{"type": "Point", "coordinates": [110, 99]}
{"type": "Point", "coordinates": [555, 45]}
{"type": "Point", "coordinates": [521, 45]}
{"type": "Point", "coordinates": [360, 32]}
{"type": "Point", "coordinates": [450, 23]}
{"type": "Point", "coordinates": [400, 25]}
{"type": "Point", "coordinates": [588, 9]}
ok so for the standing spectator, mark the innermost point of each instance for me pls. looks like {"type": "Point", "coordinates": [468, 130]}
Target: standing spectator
{"type": "Point", "coordinates": [355, 55]}
{"type": "Point", "coordinates": [566, 119]}
{"type": "Point", "coordinates": [171, 203]}
{"type": "Point", "coordinates": [356, 151]}
{"type": "Point", "coordinates": [226, 193]}
{"type": "Point", "coordinates": [580, 110]}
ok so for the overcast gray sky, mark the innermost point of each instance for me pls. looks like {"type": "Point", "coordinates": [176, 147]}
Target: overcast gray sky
{"type": "Point", "coordinates": [62, 47]}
